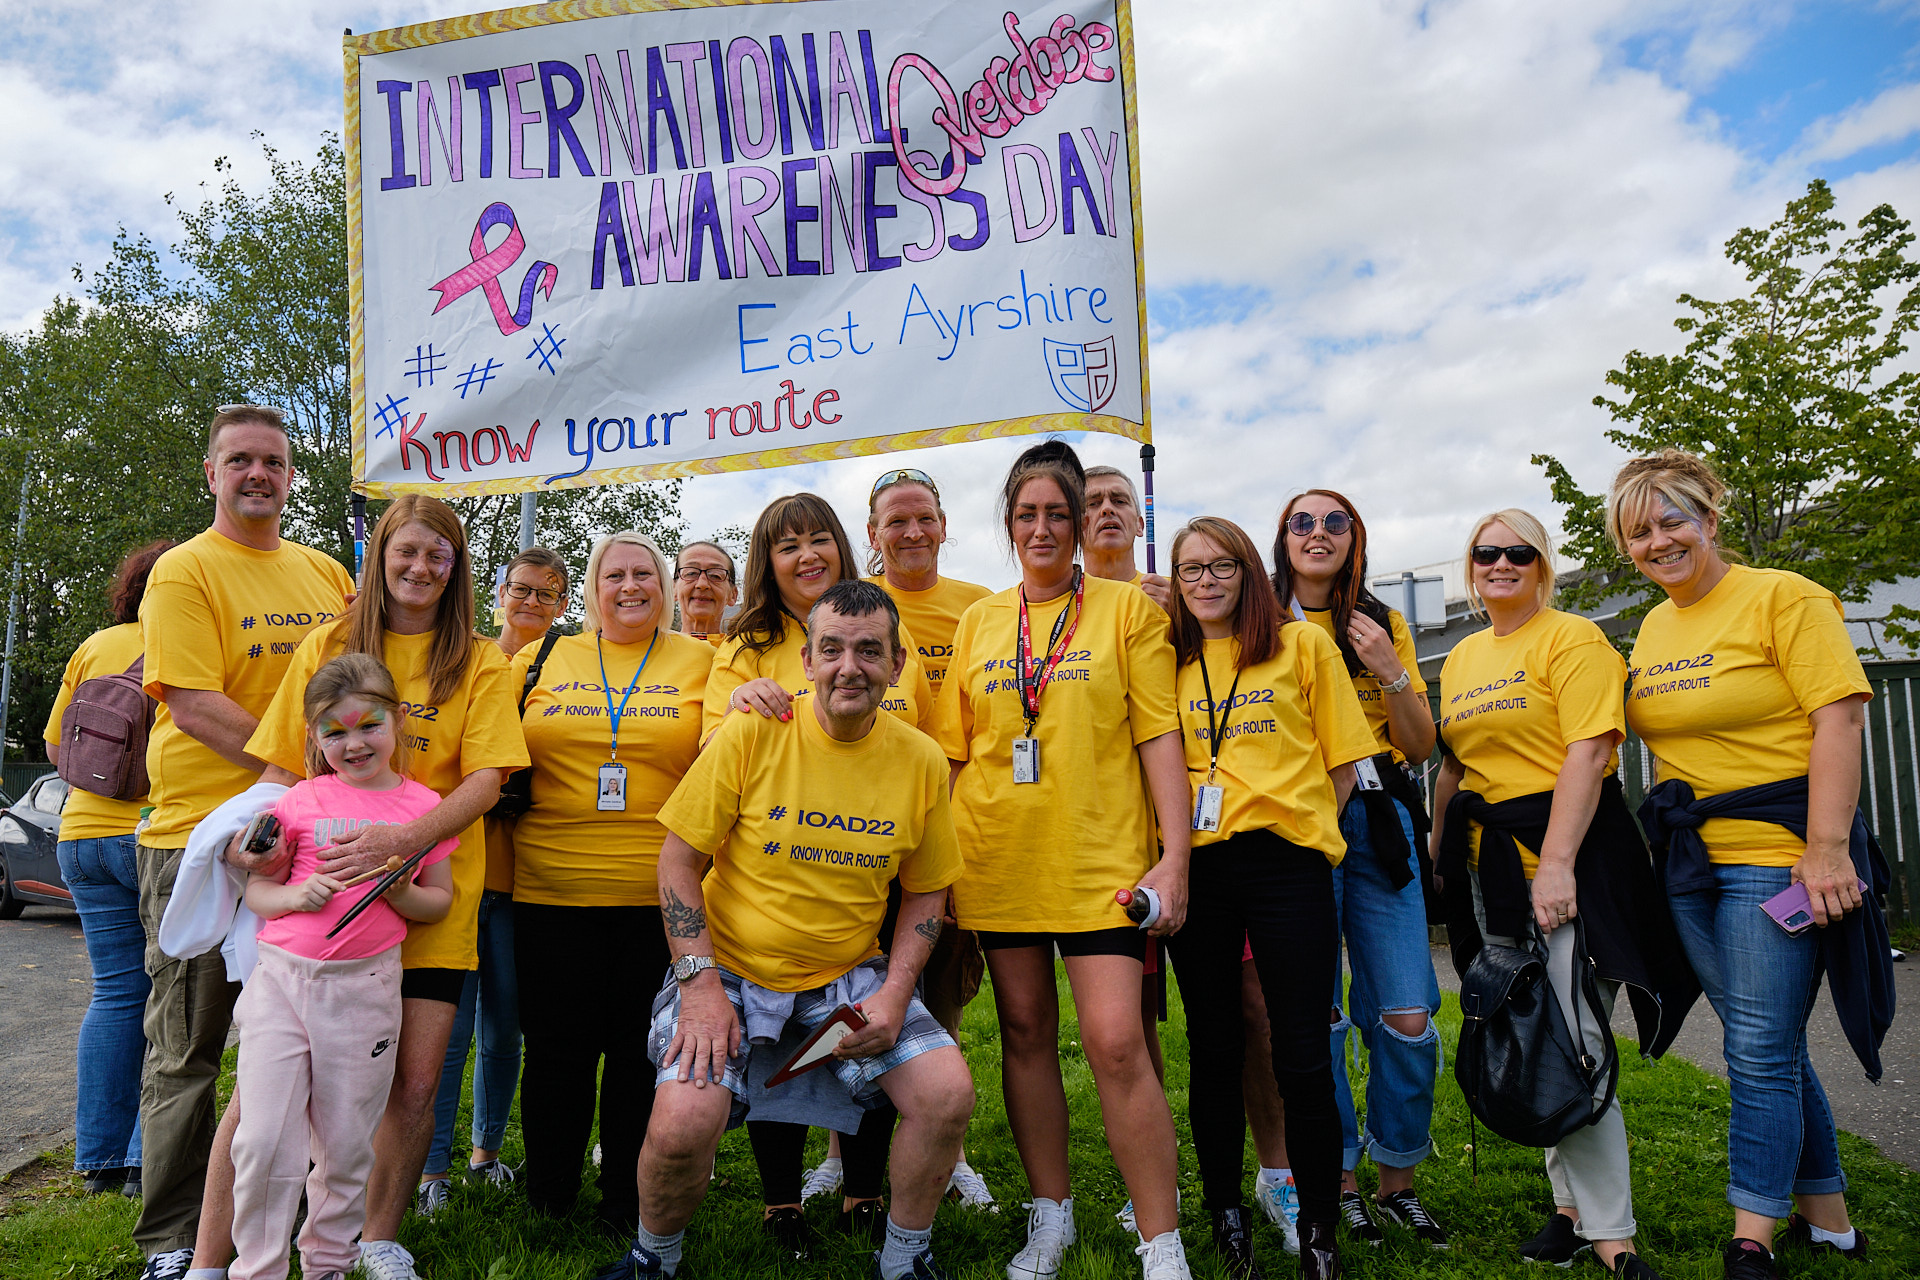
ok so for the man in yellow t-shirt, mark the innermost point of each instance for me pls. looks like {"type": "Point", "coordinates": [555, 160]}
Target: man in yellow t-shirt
{"type": "Point", "coordinates": [221, 619]}
{"type": "Point", "coordinates": [1113, 524]}
{"type": "Point", "coordinates": [806, 821]}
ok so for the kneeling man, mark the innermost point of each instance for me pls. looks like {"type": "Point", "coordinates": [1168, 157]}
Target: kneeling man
{"type": "Point", "coordinates": [806, 821]}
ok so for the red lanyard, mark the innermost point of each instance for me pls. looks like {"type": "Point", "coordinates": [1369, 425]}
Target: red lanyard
{"type": "Point", "coordinates": [1035, 675]}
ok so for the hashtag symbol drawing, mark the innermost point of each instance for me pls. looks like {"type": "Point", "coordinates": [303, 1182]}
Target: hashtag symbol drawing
{"type": "Point", "coordinates": [478, 376]}
{"type": "Point", "coordinates": [246, 623]}
{"type": "Point", "coordinates": [553, 710]}
{"type": "Point", "coordinates": [992, 686]}
{"type": "Point", "coordinates": [770, 848]}
{"type": "Point", "coordinates": [254, 652]}
{"type": "Point", "coordinates": [423, 364]}
{"type": "Point", "coordinates": [546, 348]}
{"type": "Point", "coordinates": [776, 813]}
{"type": "Point", "coordinates": [390, 416]}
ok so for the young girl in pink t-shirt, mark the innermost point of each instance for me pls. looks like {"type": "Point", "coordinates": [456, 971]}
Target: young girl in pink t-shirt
{"type": "Point", "coordinates": [320, 1017]}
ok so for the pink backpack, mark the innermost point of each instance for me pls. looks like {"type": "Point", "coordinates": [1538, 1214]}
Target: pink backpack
{"type": "Point", "coordinates": [103, 735]}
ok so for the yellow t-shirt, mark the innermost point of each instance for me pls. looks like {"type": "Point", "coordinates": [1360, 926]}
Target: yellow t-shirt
{"type": "Point", "coordinates": [104, 653]}
{"type": "Point", "coordinates": [805, 833]}
{"type": "Point", "coordinates": [1050, 855]}
{"type": "Point", "coordinates": [473, 729]}
{"type": "Point", "coordinates": [568, 852]}
{"type": "Point", "coordinates": [1367, 685]}
{"type": "Point", "coordinates": [222, 616]}
{"type": "Point", "coordinates": [910, 698]}
{"type": "Point", "coordinates": [1720, 692]}
{"type": "Point", "coordinates": [1511, 706]}
{"type": "Point", "coordinates": [1293, 718]}
{"type": "Point", "coordinates": [932, 616]}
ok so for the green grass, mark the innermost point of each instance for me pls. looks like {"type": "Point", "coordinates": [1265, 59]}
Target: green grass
{"type": "Point", "coordinates": [1676, 1121]}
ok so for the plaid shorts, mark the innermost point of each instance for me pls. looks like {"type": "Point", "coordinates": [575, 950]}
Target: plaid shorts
{"type": "Point", "coordinates": [860, 1077]}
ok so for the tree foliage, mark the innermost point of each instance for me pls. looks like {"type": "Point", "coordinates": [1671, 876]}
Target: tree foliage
{"type": "Point", "coordinates": [1797, 394]}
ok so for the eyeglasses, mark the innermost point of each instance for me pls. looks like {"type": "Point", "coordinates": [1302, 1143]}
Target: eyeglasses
{"type": "Point", "coordinates": [1224, 570]}
{"type": "Point", "coordinates": [545, 595]}
{"type": "Point", "coordinates": [889, 478]}
{"type": "Point", "coordinates": [1301, 523]}
{"type": "Point", "coordinates": [693, 573]}
{"type": "Point", "coordinates": [1519, 557]}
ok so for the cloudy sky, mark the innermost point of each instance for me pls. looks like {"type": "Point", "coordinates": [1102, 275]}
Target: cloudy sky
{"type": "Point", "coordinates": [1393, 247]}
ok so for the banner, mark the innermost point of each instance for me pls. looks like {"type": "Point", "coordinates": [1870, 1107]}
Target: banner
{"type": "Point", "coordinates": [615, 240]}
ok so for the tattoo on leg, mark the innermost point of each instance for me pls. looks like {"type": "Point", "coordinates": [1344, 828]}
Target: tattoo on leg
{"type": "Point", "coordinates": [929, 929]}
{"type": "Point", "coordinates": [682, 920]}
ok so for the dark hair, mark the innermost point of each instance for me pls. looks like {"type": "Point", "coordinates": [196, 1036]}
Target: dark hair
{"type": "Point", "coordinates": [1350, 594]}
{"type": "Point", "coordinates": [1256, 623]}
{"type": "Point", "coordinates": [733, 571]}
{"type": "Point", "coordinates": [762, 621]}
{"type": "Point", "coordinates": [858, 598]}
{"type": "Point", "coordinates": [540, 558]}
{"type": "Point", "coordinates": [1050, 460]}
{"type": "Point", "coordinates": [130, 582]}
{"type": "Point", "coordinates": [365, 622]}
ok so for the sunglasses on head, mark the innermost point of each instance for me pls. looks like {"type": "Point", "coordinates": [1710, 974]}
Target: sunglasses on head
{"type": "Point", "coordinates": [1518, 557]}
{"type": "Point", "coordinates": [1301, 523]}
{"type": "Point", "coordinates": [890, 478]}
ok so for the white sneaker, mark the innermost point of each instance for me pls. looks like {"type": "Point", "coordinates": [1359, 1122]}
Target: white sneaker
{"type": "Point", "coordinates": [494, 1172]}
{"type": "Point", "coordinates": [1282, 1204]}
{"type": "Point", "coordinates": [1049, 1233]}
{"type": "Point", "coordinates": [385, 1260]}
{"type": "Point", "coordinates": [431, 1197]}
{"type": "Point", "coordinates": [823, 1179]}
{"type": "Point", "coordinates": [1164, 1258]}
{"type": "Point", "coordinates": [970, 1189]}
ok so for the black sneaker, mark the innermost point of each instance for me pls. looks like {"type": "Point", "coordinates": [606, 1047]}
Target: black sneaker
{"type": "Point", "coordinates": [1360, 1223]}
{"type": "Point", "coordinates": [1747, 1260]}
{"type": "Point", "coordinates": [865, 1222]}
{"type": "Point", "coordinates": [1556, 1243]}
{"type": "Point", "coordinates": [924, 1268]}
{"type": "Point", "coordinates": [789, 1228]}
{"type": "Point", "coordinates": [635, 1264]}
{"type": "Point", "coordinates": [1628, 1266]}
{"type": "Point", "coordinates": [1233, 1240]}
{"type": "Point", "coordinates": [100, 1181]}
{"type": "Point", "coordinates": [1799, 1235]}
{"type": "Point", "coordinates": [172, 1265]}
{"type": "Point", "coordinates": [131, 1187]}
{"type": "Point", "coordinates": [1404, 1207]}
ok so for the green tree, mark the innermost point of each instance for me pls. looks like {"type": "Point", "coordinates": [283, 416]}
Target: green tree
{"type": "Point", "coordinates": [1794, 392]}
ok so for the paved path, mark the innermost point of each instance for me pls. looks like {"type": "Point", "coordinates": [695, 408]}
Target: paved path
{"type": "Point", "coordinates": [1887, 1115]}
{"type": "Point", "coordinates": [45, 983]}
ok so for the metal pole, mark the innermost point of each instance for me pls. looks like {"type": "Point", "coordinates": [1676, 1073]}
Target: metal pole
{"type": "Point", "coordinates": [1409, 593]}
{"type": "Point", "coordinates": [1146, 474]}
{"type": "Point", "coordinates": [13, 601]}
{"type": "Point", "coordinates": [527, 502]}
{"type": "Point", "coordinates": [359, 506]}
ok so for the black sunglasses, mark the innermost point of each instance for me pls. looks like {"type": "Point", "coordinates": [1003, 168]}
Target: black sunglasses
{"type": "Point", "coordinates": [1518, 557]}
{"type": "Point", "coordinates": [1301, 523]}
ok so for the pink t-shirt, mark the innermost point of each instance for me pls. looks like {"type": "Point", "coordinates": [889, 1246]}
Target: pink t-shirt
{"type": "Point", "coordinates": [313, 814]}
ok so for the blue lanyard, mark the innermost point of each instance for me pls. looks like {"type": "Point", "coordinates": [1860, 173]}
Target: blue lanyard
{"type": "Point", "coordinates": [613, 752]}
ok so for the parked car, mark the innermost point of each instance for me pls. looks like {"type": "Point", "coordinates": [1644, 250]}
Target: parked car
{"type": "Point", "coordinates": [29, 836]}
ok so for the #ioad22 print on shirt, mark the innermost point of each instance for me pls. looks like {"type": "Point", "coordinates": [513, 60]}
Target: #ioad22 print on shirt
{"type": "Point", "coordinates": [614, 240]}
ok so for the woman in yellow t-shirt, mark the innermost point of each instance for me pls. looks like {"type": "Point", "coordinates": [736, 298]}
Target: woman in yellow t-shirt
{"type": "Point", "coordinates": [96, 851]}
{"type": "Point", "coordinates": [1527, 811]}
{"type": "Point", "coordinates": [705, 585]}
{"type": "Point", "coordinates": [1745, 681]}
{"type": "Point", "coordinates": [415, 613]}
{"type": "Point", "coordinates": [1058, 716]}
{"type": "Point", "coordinates": [612, 726]}
{"type": "Point", "coordinates": [1271, 729]}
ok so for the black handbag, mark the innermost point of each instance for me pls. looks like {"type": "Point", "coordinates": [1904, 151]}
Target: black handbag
{"type": "Point", "coordinates": [1526, 1074]}
{"type": "Point", "coordinates": [516, 793]}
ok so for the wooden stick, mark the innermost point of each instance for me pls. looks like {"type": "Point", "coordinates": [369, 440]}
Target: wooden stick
{"type": "Point", "coordinates": [392, 864]}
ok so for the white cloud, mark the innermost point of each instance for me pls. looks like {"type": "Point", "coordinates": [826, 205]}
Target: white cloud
{"type": "Point", "coordinates": [1892, 116]}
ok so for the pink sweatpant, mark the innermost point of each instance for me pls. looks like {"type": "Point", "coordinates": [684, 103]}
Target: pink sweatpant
{"type": "Point", "coordinates": [318, 1039]}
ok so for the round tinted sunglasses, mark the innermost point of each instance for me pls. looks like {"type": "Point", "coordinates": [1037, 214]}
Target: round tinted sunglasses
{"type": "Point", "coordinates": [1301, 523]}
{"type": "Point", "coordinates": [1518, 557]}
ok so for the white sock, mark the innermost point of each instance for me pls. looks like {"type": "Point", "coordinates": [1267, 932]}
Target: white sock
{"type": "Point", "coordinates": [665, 1248]}
{"type": "Point", "coordinates": [1274, 1177]}
{"type": "Point", "coordinates": [901, 1248]}
{"type": "Point", "coordinates": [1839, 1239]}
{"type": "Point", "coordinates": [207, 1273]}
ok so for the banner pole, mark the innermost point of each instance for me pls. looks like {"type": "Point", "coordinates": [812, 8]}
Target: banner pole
{"type": "Point", "coordinates": [1146, 474]}
{"type": "Point", "coordinates": [359, 506]}
{"type": "Point", "coordinates": [527, 519]}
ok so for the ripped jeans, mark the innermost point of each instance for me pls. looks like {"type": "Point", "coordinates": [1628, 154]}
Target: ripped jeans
{"type": "Point", "coordinates": [1386, 944]}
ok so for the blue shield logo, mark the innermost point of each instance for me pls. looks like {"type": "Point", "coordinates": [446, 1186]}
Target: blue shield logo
{"type": "Point", "coordinates": [1085, 374]}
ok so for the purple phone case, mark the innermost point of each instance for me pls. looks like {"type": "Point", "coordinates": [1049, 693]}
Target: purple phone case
{"type": "Point", "coordinates": [1792, 908]}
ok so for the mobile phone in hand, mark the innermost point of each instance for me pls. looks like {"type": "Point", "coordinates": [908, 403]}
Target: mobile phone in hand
{"type": "Point", "coordinates": [260, 833]}
{"type": "Point", "coordinates": [1792, 908]}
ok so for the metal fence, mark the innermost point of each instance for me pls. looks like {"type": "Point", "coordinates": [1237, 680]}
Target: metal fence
{"type": "Point", "coordinates": [17, 776]}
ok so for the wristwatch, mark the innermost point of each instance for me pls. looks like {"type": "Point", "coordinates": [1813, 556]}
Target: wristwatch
{"type": "Point", "coordinates": [685, 967]}
{"type": "Point", "coordinates": [1406, 678]}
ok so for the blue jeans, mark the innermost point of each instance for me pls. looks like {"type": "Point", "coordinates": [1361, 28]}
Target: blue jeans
{"type": "Point", "coordinates": [1763, 985]}
{"type": "Point", "coordinates": [1386, 936]}
{"type": "Point", "coordinates": [491, 998]}
{"type": "Point", "coordinates": [102, 876]}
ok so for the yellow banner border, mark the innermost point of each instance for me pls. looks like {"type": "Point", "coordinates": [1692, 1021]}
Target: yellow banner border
{"type": "Point", "coordinates": [442, 30]}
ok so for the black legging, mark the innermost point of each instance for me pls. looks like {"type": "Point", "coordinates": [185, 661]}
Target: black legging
{"type": "Point", "coordinates": [1279, 897]}
{"type": "Point", "coordinates": [779, 1149]}
{"type": "Point", "coordinates": [587, 976]}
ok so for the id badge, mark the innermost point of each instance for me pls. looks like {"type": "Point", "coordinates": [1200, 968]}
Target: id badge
{"type": "Point", "coordinates": [1206, 808]}
{"type": "Point", "coordinates": [613, 788]}
{"type": "Point", "coordinates": [1368, 775]}
{"type": "Point", "coordinates": [1026, 760]}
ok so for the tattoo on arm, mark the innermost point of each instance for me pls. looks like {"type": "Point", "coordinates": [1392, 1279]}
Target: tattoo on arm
{"type": "Point", "coordinates": [682, 920]}
{"type": "Point", "coordinates": [929, 929]}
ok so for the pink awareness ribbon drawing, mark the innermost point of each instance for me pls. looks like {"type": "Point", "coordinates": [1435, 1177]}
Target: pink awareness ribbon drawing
{"type": "Point", "coordinates": [484, 271]}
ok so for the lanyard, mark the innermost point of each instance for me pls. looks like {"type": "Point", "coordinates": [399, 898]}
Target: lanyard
{"type": "Point", "coordinates": [613, 752]}
{"type": "Point", "coordinates": [1034, 677]}
{"type": "Point", "coordinates": [1216, 733]}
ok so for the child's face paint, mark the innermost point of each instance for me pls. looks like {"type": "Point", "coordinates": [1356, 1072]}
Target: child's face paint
{"type": "Point", "coordinates": [356, 737]}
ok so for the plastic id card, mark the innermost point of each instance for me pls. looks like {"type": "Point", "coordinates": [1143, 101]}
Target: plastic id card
{"type": "Point", "coordinates": [613, 788]}
{"type": "Point", "coordinates": [1206, 808]}
{"type": "Point", "coordinates": [1026, 759]}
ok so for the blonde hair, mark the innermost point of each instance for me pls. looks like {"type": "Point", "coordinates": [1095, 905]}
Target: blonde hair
{"type": "Point", "coordinates": [1531, 532]}
{"type": "Point", "coordinates": [1683, 479]}
{"type": "Point", "coordinates": [590, 589]}
{"type": "Point", "coordinates": [352, 675]}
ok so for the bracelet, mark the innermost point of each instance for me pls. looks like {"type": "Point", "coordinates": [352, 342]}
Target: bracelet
{"type": "Point", "coordinates": [1398, 686]}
